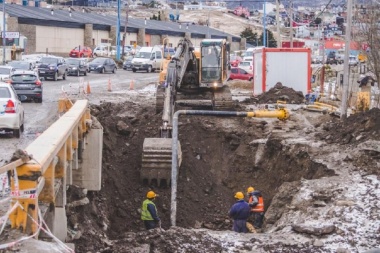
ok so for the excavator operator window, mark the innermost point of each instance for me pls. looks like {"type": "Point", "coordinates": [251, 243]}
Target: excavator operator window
{"type": "Point", "coordinates": [211, 63]}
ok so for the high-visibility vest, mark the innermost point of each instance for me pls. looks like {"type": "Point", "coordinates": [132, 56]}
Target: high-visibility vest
{"type": "Point", "coordinates": [259, 208]}
{"type": "Point", "coordinates": [145, 214]}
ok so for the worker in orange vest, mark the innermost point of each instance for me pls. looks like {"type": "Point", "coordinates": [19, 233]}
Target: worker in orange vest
{"type": "Point", "coordinates": [256, 202]}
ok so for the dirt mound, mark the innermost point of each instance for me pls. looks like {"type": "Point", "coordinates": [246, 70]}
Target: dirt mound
{"type": "Point", "coordinates": [355, 129]}
{"type": "Point", "coordinates": [280, 92]}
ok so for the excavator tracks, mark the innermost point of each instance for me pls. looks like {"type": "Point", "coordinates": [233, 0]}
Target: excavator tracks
{"type": "Point", "coordinates": [157, 161]}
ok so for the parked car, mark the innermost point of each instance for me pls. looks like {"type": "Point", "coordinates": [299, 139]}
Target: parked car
{"type": "Point", "coordinates": [353, 60]}
{"type": "Point", "coordinates": [79, 52]}
{"type": "Point", "coordinates": [21, 65]}
{"type": "Point", "coordinates": [11, 110]}
{"type": "Point", "coordinates": [240, 74]}
{"type": "Point", "coordinates": [52, 67]}
{"type": "Point", "coordinates": [101, 50]}
{"type": "Point", "coordinates": [235, 60]}
{"type": "Point", "coordinates": [102, 65]}
{"type": "Point", "coordinates": [127, 64]}
{"type": "Point", "coordinates": [76, 67]}
{"type": "Point", "coordinates": [247, 66]}
{"type": "Point", "coordinates": [26, 83]}
{"type": "Point", "coordinates": [6, 72]}
{"type": "Point", "coordinates": [316, 59]}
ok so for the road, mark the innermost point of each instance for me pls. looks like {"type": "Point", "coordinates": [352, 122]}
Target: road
{"type": "Point", "coordinates": [39, 117]}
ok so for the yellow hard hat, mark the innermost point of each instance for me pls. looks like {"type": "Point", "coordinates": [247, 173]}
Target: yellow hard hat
{"type": "Point", "coordinates": [151, 195]}
{"type": "Point", "coordinates": [250, 189]}
{"type": "Point", "coordinates": [239, 195]}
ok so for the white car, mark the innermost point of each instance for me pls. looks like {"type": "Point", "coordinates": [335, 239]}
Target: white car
{"type": "Point", "coordinates": [11, 110]}
{"type": "Point", "coordinates": [247, 66]}
{"type": "Point", "coordinates": [101, 51]}
{"type": "Point", "coordinates": [6, 72]}
{"type": "Point", "coordinates": [353, 60]}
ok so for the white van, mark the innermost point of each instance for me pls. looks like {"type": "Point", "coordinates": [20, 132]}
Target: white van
{"type": "Point", "coordinates": [148, 59]}
{"type": "Point", "coordinates": [101, 50]}
{"type": "Point", "coordinates": [248, 54]}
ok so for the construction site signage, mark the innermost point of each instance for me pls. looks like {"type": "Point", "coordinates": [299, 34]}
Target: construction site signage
{"type": "Point", "coordinates": [11, 35]}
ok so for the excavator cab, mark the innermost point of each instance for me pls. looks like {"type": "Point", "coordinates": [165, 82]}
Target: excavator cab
{"type": "Point", "coordinates": [214, 63]}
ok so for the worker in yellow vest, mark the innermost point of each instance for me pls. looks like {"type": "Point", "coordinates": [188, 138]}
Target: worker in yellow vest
{"type": "Point", "coordinates": [149, 212]}
{"type": "Point", "coordinates": [256, 202]}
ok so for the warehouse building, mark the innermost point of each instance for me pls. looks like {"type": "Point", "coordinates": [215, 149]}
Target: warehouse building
{"type": "Point", "coordinates": [58, 31]}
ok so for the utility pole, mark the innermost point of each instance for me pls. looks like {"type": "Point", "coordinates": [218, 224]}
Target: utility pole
{"type": "Point", "coordinates": [343, 113]}
{"type": "Point", "coordinates": [291, 23]}
{"type": "Point", "coordinates": [278, 23]}
{"type": "Point", "coordinates": [3, 33]}
{"type": "Point", "coordinates": [125, 29]}
{"type": "Point", "coordinates": [264, 23]}
{"type": "Point", "coordinates": [322, 85]}
{"type": "Point", "coordinates": [118, 31]}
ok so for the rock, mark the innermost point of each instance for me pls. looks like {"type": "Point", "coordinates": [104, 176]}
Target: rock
{"type": "Point", "coordinates": [319, 203]}
{"type": "Point", "coordinates": [348, 158]}
{"type": "Point", "coordinates": [342, 250]}
{"type": "Point", "coordinates": [198, 157]}
{"type": "Point", "coordinates": [197, 224]}
{"type": "Point", "coordinates": [123, 128]}
{"type": "Point", "coordinates": [284, 98]}
{"type": "Point", "coordinates": [80, 202]}
{"type": "Point", "coordinates": [327, 229]}
{"type": "Point", "coordinates": [318, 243]}
{"type": "Point", "coordinates": [344, 203]}
{"type": "Point", "coordinates": [77, 235]}
{"type": "Point", "coordinates": [208, 225]}
{"type": "Point", "coordinates": [278, 85]}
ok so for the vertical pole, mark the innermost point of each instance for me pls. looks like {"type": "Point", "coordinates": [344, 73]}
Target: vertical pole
{"type": "Point", "coordinates": [118, 32]}
{"type": "Point", "coordinates": [278, 23]}
{"type": "Point", "coordinates": [343, 113]}
{"type": "Point", "coordinates": [264, 23]}
{"type": "Point", "coordinates": [291, 23]}
{"type": "Point", "coordinates": [125, 30]}
{"type": "Point", "coordinates": [3, 33]}
{"type": "Point", "coordinates": [322, 85]}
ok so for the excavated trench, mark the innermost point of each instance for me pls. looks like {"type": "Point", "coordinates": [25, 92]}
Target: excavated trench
{"type": "Point", "coordinates": [220, 156]}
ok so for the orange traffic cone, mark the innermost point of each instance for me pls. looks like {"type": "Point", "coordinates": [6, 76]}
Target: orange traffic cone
{"type": "Point", "coordinates": [88, 88]}
{"type": "Point", "coordinates": [109, 87]}
{"type": "Point", "coordinates": [131, 84]}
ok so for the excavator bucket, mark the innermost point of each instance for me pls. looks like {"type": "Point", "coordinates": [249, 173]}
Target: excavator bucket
{"type": "Point", "coordinates": [157, 161]}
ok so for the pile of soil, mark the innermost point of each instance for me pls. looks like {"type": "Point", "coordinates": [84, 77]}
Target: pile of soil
{"type": "Point", "coordinates": [218, 160]}
{"type": "Point", "coordinates": [355, 129]}
{"type": "Point", "coordinates": [280, 92]}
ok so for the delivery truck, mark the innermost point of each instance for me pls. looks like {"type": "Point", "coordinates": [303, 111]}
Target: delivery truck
{"type": "Point", "coordinates": [290, 66]}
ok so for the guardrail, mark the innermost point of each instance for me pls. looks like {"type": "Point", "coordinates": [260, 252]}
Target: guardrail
{"type": "Point", "coordinates": [46, 166]}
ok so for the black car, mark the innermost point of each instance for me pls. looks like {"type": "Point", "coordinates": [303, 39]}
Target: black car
{"type": "Point", "coordinates": [52, 67]}
{"type": "Point", "coordinates": [127, 64]}
{"type": "Point", "coordinates": [76, 67]}
{"type": "Point", "coordinates": [27, 83]}
{"type": "Point", "coordinates": [102, 65]}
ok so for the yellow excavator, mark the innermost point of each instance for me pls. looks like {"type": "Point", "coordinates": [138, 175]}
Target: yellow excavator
{"type": "Point", "coordinates": [192, 78]}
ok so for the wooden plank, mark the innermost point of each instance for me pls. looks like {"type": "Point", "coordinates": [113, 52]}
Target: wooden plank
{"type": "Point", "coordinates": [13, 165]}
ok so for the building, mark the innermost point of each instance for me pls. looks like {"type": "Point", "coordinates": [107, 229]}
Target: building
{"type": "Point", "coordinates": [58, 31]}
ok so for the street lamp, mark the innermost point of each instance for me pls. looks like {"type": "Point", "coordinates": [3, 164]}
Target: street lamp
{"type": "Point", "coordinates": [118, 32]}
{"type": "Point", "coordinates": [264, 24]}
{"type": "Point", "coordinates": [3, 33]}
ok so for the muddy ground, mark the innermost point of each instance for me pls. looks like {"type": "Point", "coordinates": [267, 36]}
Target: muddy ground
{"type": "Point", "coordinates": [220, 156]}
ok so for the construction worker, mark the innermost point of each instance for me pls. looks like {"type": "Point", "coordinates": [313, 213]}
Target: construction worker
{"type": "Point", "coordinates": [149, 211]}
{"type": "Point", "coordinates": [240, 212]}
{"type": "Point", "coordinates": [256, 202]}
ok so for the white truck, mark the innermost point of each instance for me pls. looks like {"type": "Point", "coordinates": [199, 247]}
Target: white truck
{"type": "Point", "coordinates": [148, 59]}
{"type": "Point", "coordinates": [290, 66]}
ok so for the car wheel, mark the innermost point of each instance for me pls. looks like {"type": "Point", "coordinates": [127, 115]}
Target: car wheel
{"type": "Point", "coordinates": [64, 76]}
{"type": "Point", "coordinates": [85, 73]}
{"type": "Point", "coordinates": [78, 73]}
{"type": "Point", "coordinates": [22, 128]}
{"type": "Point", "coordinates": [134, 70]}
{"type": "Point", "coordinates": [55, 76]}
{"type": "Point", "coordinates": [102, 71]}
{"type": "Point", "coordinates": [250, 79]}
{"type": "Point", "coordinates": [17, 133]}
{"type": "Point", "coordinates": [114, 70]}
{"type": "Point", "coordinates": [149, 69]}
{"type": "Point", "coordinates": [39, 100]}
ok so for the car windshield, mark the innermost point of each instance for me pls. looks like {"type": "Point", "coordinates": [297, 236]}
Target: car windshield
{"type": "Point", "coordinates": [4, 92]}
{"type": "Point", "coordinates": [19, 65]}
{"type": "Point", "coordinates": [46, 60]}
{"type": "Point", "coordinates": [5, 71]}
{"type": "Point", "coordinates": [72, 61]}
{"type": "Point", "coordinates": [143, 55]}
{"type": "Point", "coordinates": [98, 61]}
{"type": "Point", "coordinates": [24, 78]}
{"type": "Point", "coordinates": [248, 53]}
